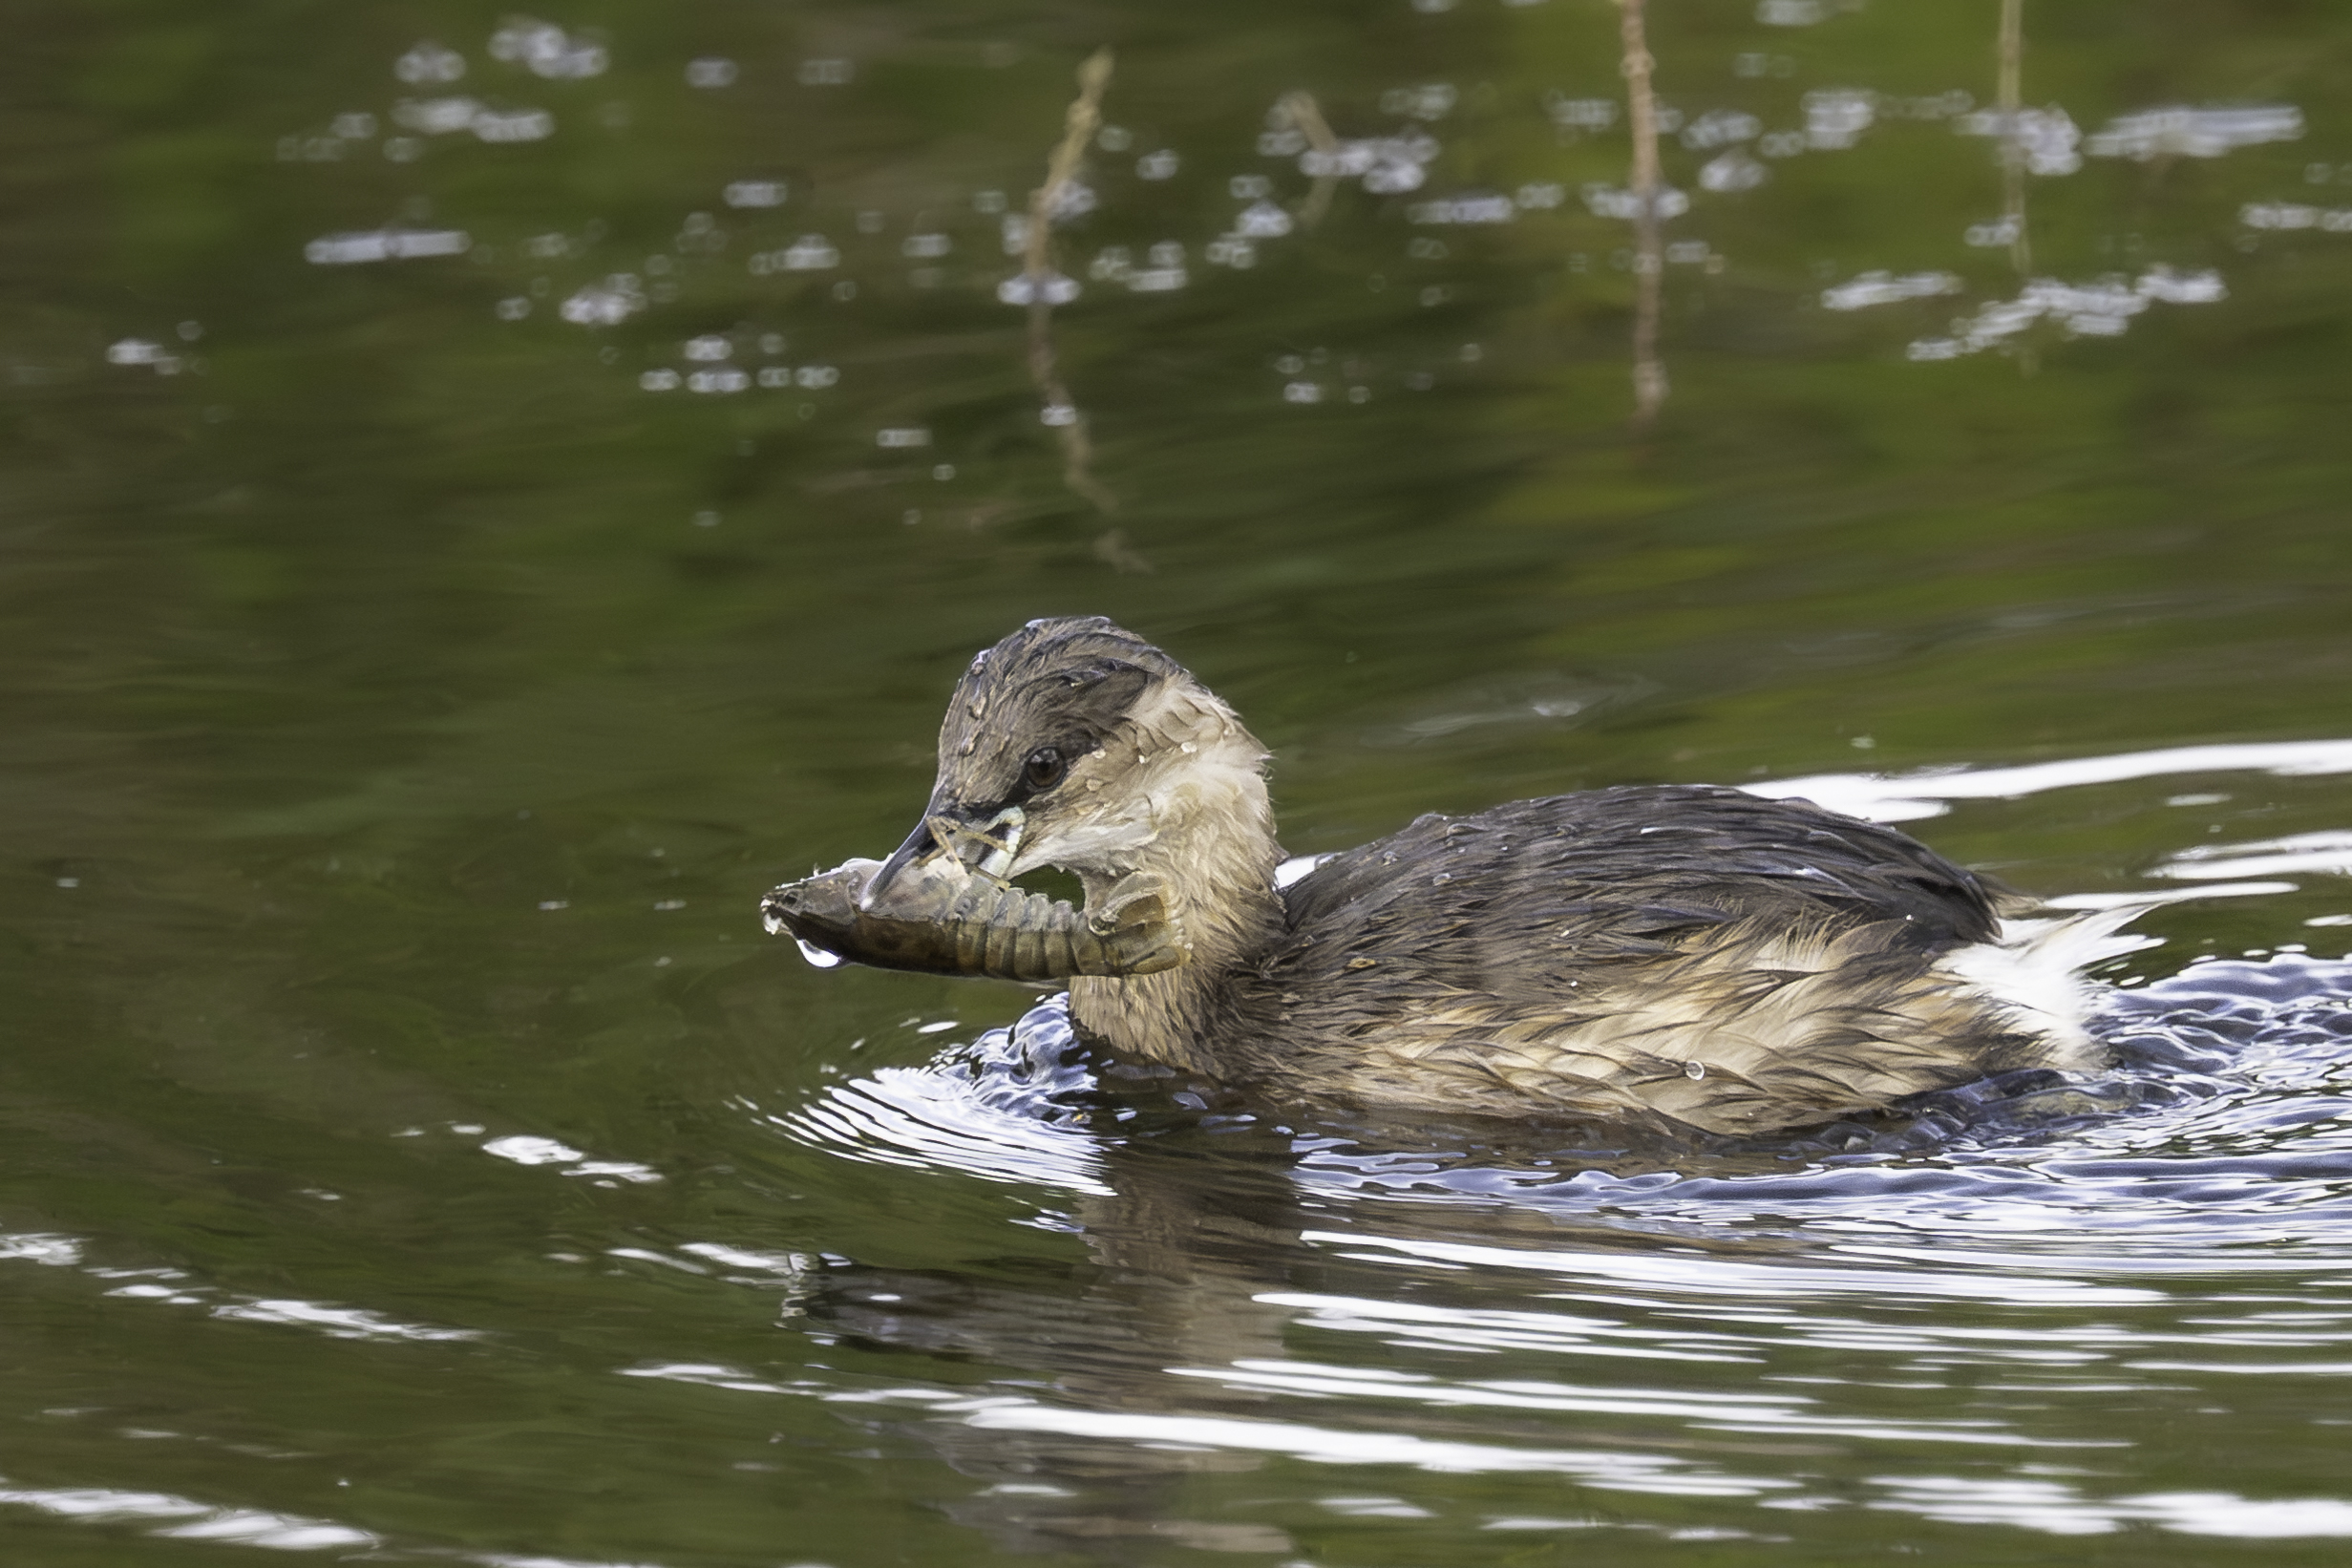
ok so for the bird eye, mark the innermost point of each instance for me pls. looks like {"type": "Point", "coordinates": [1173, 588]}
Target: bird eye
{"type": "Point", "coordinates": [1043, 768]}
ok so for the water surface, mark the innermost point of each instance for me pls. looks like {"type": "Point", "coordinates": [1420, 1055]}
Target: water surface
{"type": "Point", "coordinates": [487, 496]}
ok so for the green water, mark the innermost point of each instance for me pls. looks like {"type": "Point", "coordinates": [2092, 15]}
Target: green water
{"type": "Point", "coordinates": [408, 692]}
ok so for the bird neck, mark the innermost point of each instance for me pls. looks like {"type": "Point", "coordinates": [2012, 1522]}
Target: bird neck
{"type": "Point", "coordinates": [1212, 859]}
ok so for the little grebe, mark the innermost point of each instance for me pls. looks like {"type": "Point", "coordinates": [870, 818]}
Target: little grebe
{"type": "Point", "coordinates": [1680, 953]}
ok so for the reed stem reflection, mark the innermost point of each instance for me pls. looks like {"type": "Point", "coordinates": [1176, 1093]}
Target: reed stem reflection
{"type": "Point", "coordinates": [1649, 372]}
{"type": "Point", "coordinates": [2008, 91]}
{"type": "Point", "coordinates": [1305, 117]}
{"type": "Point", "coordinates": [1059, 410]}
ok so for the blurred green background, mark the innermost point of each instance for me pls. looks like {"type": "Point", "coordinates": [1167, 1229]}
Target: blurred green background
{"type": "Point", "coordinates": [409, 690]}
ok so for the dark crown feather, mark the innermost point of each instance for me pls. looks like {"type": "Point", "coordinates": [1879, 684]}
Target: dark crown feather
{"type": "Point", "coordinates": [1066, 682]}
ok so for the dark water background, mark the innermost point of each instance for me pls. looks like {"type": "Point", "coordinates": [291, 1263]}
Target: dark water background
{"type": "Point", "coordinates": [415, 1151]}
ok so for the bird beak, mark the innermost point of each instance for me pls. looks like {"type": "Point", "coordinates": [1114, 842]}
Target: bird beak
{"type": "Point", "coordinates": [984, 847]}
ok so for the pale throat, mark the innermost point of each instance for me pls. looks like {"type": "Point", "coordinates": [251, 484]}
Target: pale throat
{"type": "Point", "coordinates": [1204, 842]}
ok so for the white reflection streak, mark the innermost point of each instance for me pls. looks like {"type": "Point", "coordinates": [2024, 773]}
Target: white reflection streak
{"type": "Point", "coordinates": [1318, 1444]}
{"type": "Point", "coordinates": [522, 1148]}
{"type": "Point", "coordinates": [928, 1121]}
{"type": "Point", "coordinates": [1753, 1281]}
{"type": "Point", "coordinates": [348, 1323]}
{"type": "Point", "coordinates": [2292, 1368]}
{"type": "Point", "coordinates": [1492, 1329]}
{"type": "Point", "coordinates": [240, 1526]}
{"type": "Point", "coordinates": [1321, 1445]}
{"type": "Point", "coordinates": [343, 1323]}
{"type": "Point", "coordinates": [1881, 798]}
{"type": "Point", "coordinates": [2321, 852]}
{"type": "Point", "coordinates": [2058, 1509]}
{"type": "Point", "coordinates": [1715, 1412]}
{"type": "Point", "coordinates": [1310, 1378]}
{"type": "Point", "coordinates": [54, 1251]}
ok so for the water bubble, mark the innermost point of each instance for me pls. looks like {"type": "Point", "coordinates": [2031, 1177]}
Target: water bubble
{"type": "Point", "coordinates": [517, 125]}
{"type": "Point", "coordinates": [1114, 139]}
{"type": "Point", "coordinates": [1433, 100]}
{"type": "Point", "coordinates": [1230, 250]}
{"type": "Point", "coordinates": [2199, 133]}
{"type": "Point", "coordinates": [659, 380]}
{"type": "Point", "coordinates": [810, 253]}
{"type": "Point", "coordinates": [132, 350]}
{"type": "Point", "coordinates": [1836, 116]}
{"type": "Point", "coordinates": [385, 245]}
{"type": "Point", "coordinates": [1608, 201]}
{"type": "Point", "coordinates": [545, 49]}
{"type": "Point", "coordinates": [608, 304]}
{"type": "Point", "coordinates": [1720, 128]}
{"type": "Point", "coordinates": [1885, 289]}
{"type": "Point", "coordinates": [1052, 288]}
{"type": "Point", "coordinates": [1473, 207]}
{"type": "Point", "coordinates": [1301, 391]}
{"type": "Point", "coordinates": [814, 377]}
{"type": "Point", "coordinates": [2048, 138]}
{"type": "Point", "coordinates": [1733, 171]}
{"type": "Point", "coordinates": [1245, 187]}
{"type": "Point", "coordinates": [1057, 414]}
{"type": "Point", "coordinates": [435, 116]}
{"type": "Point", "coordinates": [1261, 221]}
{"type": "Point", "coordinates": [2162, 283]}
{"type": "Point", "coordinates": [925, 246]}
{"type": "Point", "coordinates": [1580, 114]}
{"type": "Point", "coordinates": [1160, 166]}
{"type": "Point", "coordinates": [708, 348]}
{"type": "Point", "coordinates": [909, 436]}
{"type": "Point", "coordinates": [756, 193]}
{"type": "Point", "coordinates": [429, 62]}
{"type": "Point", "coordinates": [828, 73]}
{"type": "Point", "coordinates": [514, 309]}
{"type": "Point", "coordinates": [712, 71]}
